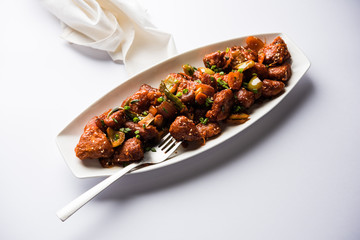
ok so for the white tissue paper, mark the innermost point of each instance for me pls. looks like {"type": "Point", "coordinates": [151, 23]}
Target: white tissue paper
{"type": "Point", "coordinates": [119, 27]}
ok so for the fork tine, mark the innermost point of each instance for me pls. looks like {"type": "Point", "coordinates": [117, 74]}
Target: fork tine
{"type": "Point", "coordinates": [167, 144]}
{"type": "Point", "coordinates": [170, 145]}
{"type": "Point", "coordinates": [165, 139]}
{"type": "Point", "coordinates": [172, 149]}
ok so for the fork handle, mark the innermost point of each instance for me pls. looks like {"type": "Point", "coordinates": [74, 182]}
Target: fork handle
{"type": "Point", "coordinates": [80, 201]}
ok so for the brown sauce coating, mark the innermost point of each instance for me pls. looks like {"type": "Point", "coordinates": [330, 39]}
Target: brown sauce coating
{"type": "Point", "coordinates": [280, 73]}
{"type": "Point", "coordinates": [191, 105]}
{"type": "Point", "coordinates": [271, 88]}
{"type": "Point", "coordinates": [223, 102]}
{"type": "Point", "coordinates": [245, 98]}
{"type": "Point", "coordinates": [116, 119]}
{"type": "Point", "coordinates": [93, 143]}
{"type": "Point", "coordinates": [275, 53]}
{"type": "Point", "coordinates": [184, 129]}
{"type": "Point", "coordinates": [209, 130]}
{"type": "Point", "coordinates": [142, 99]}
{"type": "Point", "coordinates": [130, 150]}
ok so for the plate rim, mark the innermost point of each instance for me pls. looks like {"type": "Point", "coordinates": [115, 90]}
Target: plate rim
{"type": "Point", "coordinates": [305, 65]}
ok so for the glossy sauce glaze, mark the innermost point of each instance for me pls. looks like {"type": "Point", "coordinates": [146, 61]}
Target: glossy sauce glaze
{"type": "Point", "coordinates": [191, 105]}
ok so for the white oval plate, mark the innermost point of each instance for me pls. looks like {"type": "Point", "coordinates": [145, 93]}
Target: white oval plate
{"type": "Point", "coordinates": [69, 136]}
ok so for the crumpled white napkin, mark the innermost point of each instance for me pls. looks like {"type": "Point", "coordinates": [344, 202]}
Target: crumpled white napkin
{"type": "Point", "coordinates": [119, 27]}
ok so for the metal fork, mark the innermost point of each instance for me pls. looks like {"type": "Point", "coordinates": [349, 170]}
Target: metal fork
{"type": "Point", "coordinates": [162, 151]}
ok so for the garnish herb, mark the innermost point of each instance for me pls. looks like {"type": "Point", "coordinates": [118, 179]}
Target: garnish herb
{"type": "Point", "coordinates": [150, 149]}
{"type": "Point", "coordinates": [208, 102]}
{"type": "Point", "coordinates": [115, 109]}
{"type": "Point", "coordinates": [178, 104]}
{"type": "Point", "coordinates": [222, 83]}
{"type": "Point", "coordinates": [237, 109]}
{"type": "Point", "coordinates": [125, 130]}
{"type": "Point", "coordinates": [204, 120]}
{"type": "Point", "coordinates": [116, 137]}
{"type": "Point", "coordinates": [116, 121]}
{"type": "Point", "coordinates": [215, 68]}
{"type": "Point", "coordinates": [134, 101]}
{"type": "Point", "coordinates": [102, 123]}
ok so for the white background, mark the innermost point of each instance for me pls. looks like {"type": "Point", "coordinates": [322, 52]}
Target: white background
{"type": "Point", "coordinates": [297, 177]}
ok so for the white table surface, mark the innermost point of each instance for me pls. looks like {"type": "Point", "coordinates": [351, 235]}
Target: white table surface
{"type": "Point", "coordinates": [297, 177]}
